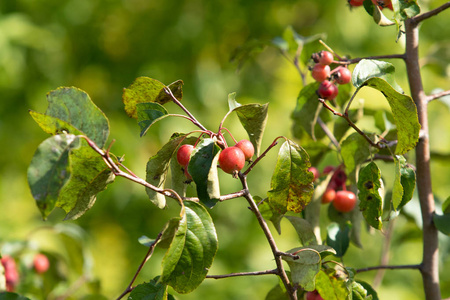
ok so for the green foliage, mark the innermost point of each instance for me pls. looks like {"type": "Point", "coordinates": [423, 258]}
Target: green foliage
{"type": "Point", "coordinates": [152, 290]}
{"type": "Point", "coordinates": [369, 185]}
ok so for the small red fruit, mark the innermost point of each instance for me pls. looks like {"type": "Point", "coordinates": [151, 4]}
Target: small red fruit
{"type": "Point", "coordinates": [313, 296]}
{"type": "Point", "coordinates": [328, 196]}
{"type": "Point", "coordinates": [343, 75]}
{"type": "Point", "coordinates": [327, 90]}
{"type": "Point", "coordinates": [383, 3]}
{"type": "Point", "coordinates": [325, 57]}
{"type": "Point", "coordinates": [184, 154]}
{"type": "Point", "coordinates": [345, 201]}
{"type": "Point", "coordinates": [355, 2]}
{"type": "Point", "coordinates": [320, 72]}
{"type": "Point", "coordinates": [11, 273]}
{"type": "Point", "coordinates": [339, 178]}
{"type": "Point", "coordinates": [327, 170]}
{"type": "Point", "coordinates": [41, 263]}
{"type": "Point", "coordinates": [231, 160]}
{"type": "Point", "coordinates": [315, 172]}
{"type": "Point", "coordinates": [247, 147]}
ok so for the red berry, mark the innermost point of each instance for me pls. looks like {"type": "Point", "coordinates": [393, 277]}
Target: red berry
{"type": "Point", "coordinates": [184, 154]}
{"type": "Point", "coordinates": [231, 160]}
{"type": "Point", "coordinates": [11, 273]}
{"type": "Point", "coordinates": [41, 263]}
{"type": "Point", "coordinates": [320, 72]}
{"type": "Point", "coordinates": [247, 147]}
{"type": "Point", "coordinates": [355, 2]}
{"type": "Point", "coordinates": [315, 172]}
{"type": "Point", "coordinates": [329, 195]}
{"type": "Point", "coordinates": [327, 90]}
{"type": "Point", "coordinates": [383, 3]}
{"type": "Point", "coordinates": [345, 201]}
{"type": "Point", "coordinates": [343, 75]}
{"type": "Point", "coordinates": [325, 57]}
{"type": "Point", "coordinates": [327, 170]}
{"type": "Point", "coordinates": [313, 296]}
{"type": "Point", "coordinates": [339, 178]}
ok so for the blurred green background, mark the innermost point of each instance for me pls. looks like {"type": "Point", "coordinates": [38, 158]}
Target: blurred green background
{"type": "Point", "coordinates": [101, 46]}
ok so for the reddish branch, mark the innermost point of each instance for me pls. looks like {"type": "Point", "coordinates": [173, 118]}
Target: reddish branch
{"type": "Point", "coordinates": [258, 273]}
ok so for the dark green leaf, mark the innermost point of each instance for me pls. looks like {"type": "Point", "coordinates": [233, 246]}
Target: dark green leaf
{"type": "Point", "coordinates": [306, 108]}
{"type": "Point", "coordinates": [305, 267]}
{"type": "Point", "coordinates": [253, 118]}
{"type": "Point", "coordinates": [152, 290]}
{"type": "Point", "coordinates": [12, 296]}
{"type": "Point", "coordinates": [304, 230]}
{"type": "Point", "coordinates": [369, 289]}
{"type": "Point", "coordinates": [371, 203]}
{"type": "Point", "coordinates": [338, 237]}
{"type": "Point", "coordinates": [270, 214]}
{"type": "Point", "coordinates": [397, 189]}
{"type": "Point", "coordinates": [291, 184]}
{"type": "Point", "coordinates": [446, 206]}
{"type": "Point", "coordinates": [354, 150]}
{"type": "Point", "coordinates": [343, 95]}
{"type": "Point", "coordinates": [158, 166]}
{"type": "Point", "coordinates": [369, 68]}
{"type": "Point", "coordinates": [408, 180]}
{"type": "Point", "coordinates": [50, 170]}
{"type": "Point", "coordinates": [442, 223]}
{"type": "Point", "coordinates": [203, 169]}
{"type": "Point", "coordinates": [277, 293]}
{"type": "Point", "coordinates": [149, 113]}
{"type": "Point", "coordinates": [192, 250]}
{"type": "Point", "coordinates": [145, 89]}
{"type": "Point", "coordinates": [330, 286]}
{"type": "Point", "coordinates": [71, 110]}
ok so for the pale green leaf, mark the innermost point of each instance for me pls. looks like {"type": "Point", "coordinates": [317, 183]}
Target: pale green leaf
{"type": "Point", "coordinates": [371, 202]}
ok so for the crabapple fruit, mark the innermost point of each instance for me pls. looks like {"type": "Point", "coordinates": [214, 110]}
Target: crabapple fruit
{"type": "Point", "coordinates": [313, 296]}
{"type": "Point", "coordinates": [383, 3]}
{"type": "Point", "coordinates": [327, 170]}
{"type": "Point", "coordinates": [329, 195]}
{"type": "Point", "coordinates": [327, 90]}
{"type": "Point", "coordinates": [323, 57]}
{"type": "Point", "coordinates": [345, 201]}
{"type": "Point", "coordinates": [184, 154]}
{"type": "Point", "coordinates": [231, 160]}
{"type": "Point", "coordinates": [339, 177]}
{"type": "Point", "coordinates": [343, 75]}
{"type": "Point", "coordinates": [247, 147]}
{"type": "Point", "coordinates": [315, 172]}
{"type": "Point", "coordinates": [41, 263]}
{"type": "Point", "coordinates": [11, 273]}
{"type": "Point", "coordinates": [320, 72]}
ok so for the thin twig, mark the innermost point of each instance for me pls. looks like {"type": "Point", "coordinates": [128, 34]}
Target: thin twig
{"type": "Point", "coordinates": [274, 143]}
{"type": "Point", "coordinates": [431, 13]}
{"type": "Point", "coordinates": [358, 59]}
{"type": "Point", "coordinates": [329, 134]}
{"type": "Point", "coordinates": [268, 272]}
{"type": "Point", "coordinates": [146, 258]}
{"type": "Point", "coordinates": [388, 268]}
{"type": "Point", "coordinates": [438, 95]}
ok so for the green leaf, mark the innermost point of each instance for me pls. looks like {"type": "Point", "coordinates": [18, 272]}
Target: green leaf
{"type": "Point", "coordinates": [384, 120]}
{"type": "Point", "coordinates": [253, 118]}
{"type": "Point", "coordinates": [71, 110]}
{"type": "Point", "coordinates": [369, 289]}
{"type": "Point", "coordinates": [12, 296]}
{"type": "Point", "coordinates": [338, 237]}
{"type": "Point", "coordinates": [408, 181]}
{"type": "Point", "coordinates": [341, 125]}
{"type": "Point", "coordinates": [152, 290]}
{"type": "Point", "coordinates": [446, 206]}
{"type": "Point", "coordinates": [158, 166]}
{"type": "Point", "coordinates": [232, 103]}
{"type": "Point", "coordinates": [270, 214]}
{"type": "Point", "coordinates": [379, 18]}
{"type": "Point", "coordinates": [343, 95]}
{"type": "Point", "coordinates": [358, 292]}
{"type": "Point", "coordinates": [405, 115]}
{"type": "Point", "coordinates": [277, 293]}
{"type": "Point", "coordinates": [397, 189]}
{"type": "Point", "coordinates": [203, 169]}
{"type": "Point", "coordinates": [304, 230]}
{"type": "Point", "coordinates": [330, 286]}
{"type": "Point", "coordinates": [404, 9]}
{"type": "Point", "coordinates": [442, 223]}
{"type": "Point", "coordinates": [291, 184]}
{"type": "Point", "coordinates": [369, 68]}
{"type": "Point", "coordinates": [145, 89]}
{"type": "Point", "coordinates": [354, 151]}
{"type": "Point", "coordinates": [90, 176]}
{"type": "Point", "coordinates": [148, 114]}
{"type": "Point", "coordinates": [305, 267]}
{"type": "Point", "coordinates": [371, 203]}
{"type": "Point", "coordinates": [192, 250]}
{"type": "Point", "coordinates": [50, 170]}
{"type": "Point", "coordinates": [305, 110]}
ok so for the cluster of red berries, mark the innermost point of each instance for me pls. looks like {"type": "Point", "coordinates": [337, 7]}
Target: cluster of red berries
{"type": "Point", "coordinates": [314, 295]}
{"type": "Point", "coordinates": [380, 3]}
{"type": "Point", "coordinates": [336, 193]}
{"type": "Point", "coordinates": [231, 159]}
{"type": "Point", "coordinates": [40, 264]}
{"type": "Point", "coordinates": [328, 78]}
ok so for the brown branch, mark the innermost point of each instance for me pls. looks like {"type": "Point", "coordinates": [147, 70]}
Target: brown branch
{"type": "Point", "coordinates": [146, 258]}
{"type": "Point", "coordinates": [438, 95]}
{"type": "Point", "coordinates": [388, 268]}
{"type": "Point", "coordinates": [274, 143]}
{"type": "Point", "coordinates": [358, 59]}
{"type": "Point", "coordinates": [268, 272]}
{"type": "Point", "coordinates": [419, 18]}
{"type": "Point", "coordinates": [328, 133]}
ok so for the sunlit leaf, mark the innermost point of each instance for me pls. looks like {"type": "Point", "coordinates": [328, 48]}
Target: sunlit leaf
{"type": "Point", "coordinates": [446, 206]}
{"type": "Point", "coordinates": [304, 230]}
{"type": "Point", "coordinates": [404, 9]}
{"type": "Point", "coordinates": [369, 68]}
{"type": "Point", "coordinates": [330, 286]}
{"type": "Point", "coordinates": [305, 267]}
{"type": "Point", "coordinates": [192, 250]}
{"type": "Point", "coordinates": [71, 110]}
{"type": "Point", "coordinates": [145, 89]}
{"type": "Point", "coordinates": [371, 203]}
{"type": "Point", "coordinates": [369, 289]}
{"type": "Point", "coordinates": [50, 170]}
{"type": "Point", "coordinates": [232, 103]}
{"type": "Point", "coordinates": [203, 169]}
{"type": "Point", "coordinates": [152, 290]}
{"type": "Point", "coordinates": [253, 118]}
{"type": "Point", "coordinates": [291, 184]}
{"type": "Point", "coordinates": [149, 113]}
